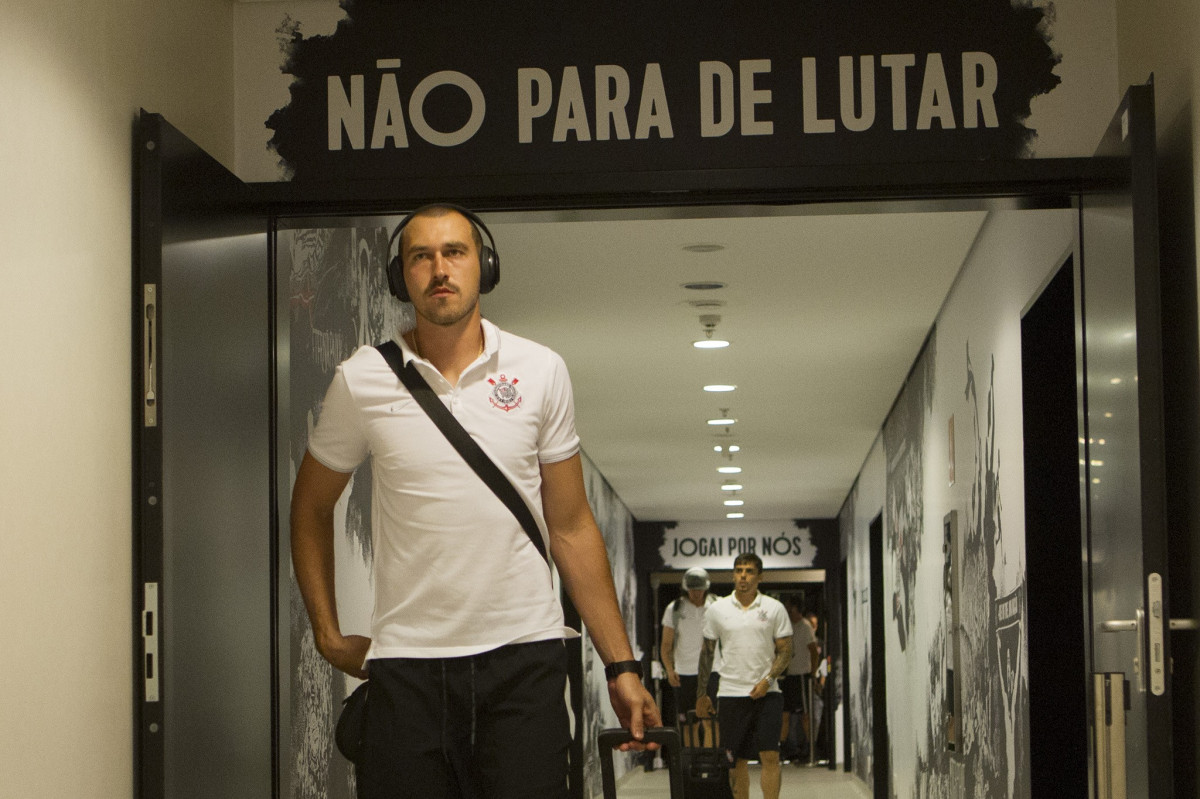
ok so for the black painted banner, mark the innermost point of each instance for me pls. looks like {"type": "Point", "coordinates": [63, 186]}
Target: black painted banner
{"type": "Point", "coordinates": [425, 88]}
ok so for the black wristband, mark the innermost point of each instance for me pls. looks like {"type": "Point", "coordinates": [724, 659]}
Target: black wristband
{"type": "Point", "coordinates": [616, 669]}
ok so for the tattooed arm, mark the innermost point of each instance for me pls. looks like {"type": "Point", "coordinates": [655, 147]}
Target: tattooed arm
{"type": "Point", "coordinates": [783, 656]}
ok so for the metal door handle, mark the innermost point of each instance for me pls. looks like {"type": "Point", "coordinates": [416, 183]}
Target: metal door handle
{"type": "Point", "coordinates": [1130, 625]}
{"type": "Point", "coordinates": [1133, 625]}
{"type": "Point", "coordinates": [1152, 652]}
{"type": "Point", "coordinates": [149, 355]}
{"type": "Point", "coordinates": [1122, 626]}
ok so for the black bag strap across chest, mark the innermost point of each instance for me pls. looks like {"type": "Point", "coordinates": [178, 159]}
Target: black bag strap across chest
{"type": "Point", "coordinates": [461, 440]}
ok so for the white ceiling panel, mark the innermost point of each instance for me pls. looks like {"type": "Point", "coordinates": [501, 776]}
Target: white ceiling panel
{"type": "Point", "coordinates": [825, 313]}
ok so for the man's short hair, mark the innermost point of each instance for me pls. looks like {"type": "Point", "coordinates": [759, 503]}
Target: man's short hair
{"type": "Point", "coordinates": [748, 557]}
{"type": "Point", "coordinates": [441, 209]}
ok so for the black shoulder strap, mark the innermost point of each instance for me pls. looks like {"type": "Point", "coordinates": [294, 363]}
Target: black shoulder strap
{"type": "Point", "coordinates": [454, 432]}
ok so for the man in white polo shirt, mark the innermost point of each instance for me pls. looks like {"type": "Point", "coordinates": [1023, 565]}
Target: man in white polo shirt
{"type": "Point", "coordinates": [682, 637]}
{"type": "Point", "coordinates": [466, 658]}
{"type": "Point", "coordinates": [755, 636]}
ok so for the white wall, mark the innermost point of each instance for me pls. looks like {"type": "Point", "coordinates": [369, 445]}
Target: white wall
{"type": "Point", "coordinates": [73, 74]}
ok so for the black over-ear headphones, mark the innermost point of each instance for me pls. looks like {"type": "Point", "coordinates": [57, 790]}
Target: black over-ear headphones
{"type": "Point", "coordinates": [489, 261]}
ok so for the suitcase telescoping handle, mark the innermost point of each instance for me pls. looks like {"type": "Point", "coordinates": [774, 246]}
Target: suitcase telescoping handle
{"type": "Point", "coordinates": [665, 737]}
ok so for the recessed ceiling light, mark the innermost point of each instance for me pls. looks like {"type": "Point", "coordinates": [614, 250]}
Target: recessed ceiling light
{"type": "Point", "coordinates": [722, 422]}
{"type": "Point", "coordinates": [742, 515]}
{"type": "Point", "coordinates": [736, 448]}
{"type": "Point", "coordinates": [710, 344]}
{"type": "Point", "coordinates": [719, 387]}
{"type": "Point", "coordinates": [729, 469]}
{"type": "Point", "coordinates": [731, 487]}
{"type": "Point", "coordinates": [734, 503]}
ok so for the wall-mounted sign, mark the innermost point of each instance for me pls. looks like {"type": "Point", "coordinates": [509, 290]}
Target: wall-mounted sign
{"type": "Point", "coordinates": [454, 88]}
{"type": "Point", "coordinates": [781, 544]}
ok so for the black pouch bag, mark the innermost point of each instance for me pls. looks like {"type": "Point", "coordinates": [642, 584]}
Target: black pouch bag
{"type": "Point", "coordinates": [351, 724]}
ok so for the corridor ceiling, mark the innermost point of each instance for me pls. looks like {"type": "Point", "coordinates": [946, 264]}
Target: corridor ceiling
{"type": "Point", "coordinates": [825, 308]}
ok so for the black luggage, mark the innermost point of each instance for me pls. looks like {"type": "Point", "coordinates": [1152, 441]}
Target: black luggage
{"type": "Point", "coordinates": [705, 768]}
{"type": "Point", "coordinates": [665, 737]}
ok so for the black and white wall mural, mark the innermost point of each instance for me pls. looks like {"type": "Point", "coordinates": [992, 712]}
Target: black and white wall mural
{"type": "Point", "coordinates": [336, 301]}
{"type": "Point", "coordinates": [616, 523]}
{"type": "Point", "coordinates": [334, 294]}
{"type": "Point", "coordinates": [863, 504]}
{"type": "Point", "coordinates": [947, 475]}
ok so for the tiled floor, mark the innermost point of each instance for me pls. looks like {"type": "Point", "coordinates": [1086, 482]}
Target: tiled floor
{"type": "Point", "coordinates": [798, 781]}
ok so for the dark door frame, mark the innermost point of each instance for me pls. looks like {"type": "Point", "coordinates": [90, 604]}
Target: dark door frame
{"type": "Point", "coordinates": [880, 746]}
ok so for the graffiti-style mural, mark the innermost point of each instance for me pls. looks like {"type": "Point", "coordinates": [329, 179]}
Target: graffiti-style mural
{"type": "Point", "coordinates": [949, 483]}
{"type": "Point", "coordinates": [616, 523]}
{"type": "Point", "coordinates": [337, 301]}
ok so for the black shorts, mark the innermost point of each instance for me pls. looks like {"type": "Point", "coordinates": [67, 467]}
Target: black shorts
{"type": "Point", "coordinates": [750, 726]}
{"type": "Point", "coordinates": [488, 726]}
{"type": "Point", "coordinates": [795, 692]}
{"type": "Point", "coordinates": [685, 695]}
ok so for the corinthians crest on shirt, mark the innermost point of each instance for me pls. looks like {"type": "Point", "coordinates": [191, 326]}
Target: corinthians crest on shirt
{"type": "Point", "coordinates": [505, 395]}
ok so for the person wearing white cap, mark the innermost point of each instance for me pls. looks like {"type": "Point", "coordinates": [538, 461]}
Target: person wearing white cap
{"type": "Point", "coordinates": [682, 638]}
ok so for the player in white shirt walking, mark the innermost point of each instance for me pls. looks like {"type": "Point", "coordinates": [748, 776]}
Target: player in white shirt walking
{"type": "Point", "coordinates": [755, 636]}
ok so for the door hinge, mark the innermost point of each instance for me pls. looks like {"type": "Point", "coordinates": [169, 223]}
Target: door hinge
{"type": "Point", "coordinates": [151, 667]}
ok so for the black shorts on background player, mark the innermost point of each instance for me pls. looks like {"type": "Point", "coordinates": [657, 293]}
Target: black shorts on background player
{"type": "Point", "coordinates": [795, 692]}
{"type": "Point", "coordinates": [685, 695]}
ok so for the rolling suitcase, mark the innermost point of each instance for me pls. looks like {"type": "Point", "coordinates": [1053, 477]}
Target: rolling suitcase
{"type": "Point", "coordinates": [705, 768]}
{"type": "Point", "coordinates": [666, 737]}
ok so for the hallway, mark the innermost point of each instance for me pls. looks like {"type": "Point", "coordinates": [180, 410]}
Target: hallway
{"type": "Point", "coordinates": [798, 781]}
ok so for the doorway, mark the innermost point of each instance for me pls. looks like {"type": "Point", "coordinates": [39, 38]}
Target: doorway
{"type": "Point", "coordinates": [1056, 596]}
{"type": "Point", "coordinates": [282, 201]}
{"type": "Point", "coordinates": [808, 588]}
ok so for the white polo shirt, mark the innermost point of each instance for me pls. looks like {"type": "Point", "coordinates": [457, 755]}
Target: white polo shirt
{"type": "Point", "coordinates": [687, 621]}
{"type": "Point", "coordinates": [746, 636]}
{"type": "Point", "coordinates": [454, 574]}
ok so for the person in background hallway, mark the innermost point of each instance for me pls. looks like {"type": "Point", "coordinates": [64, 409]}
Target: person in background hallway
{"type": "Point", "coordinates": [682, 638]}
{"type": "Point", "coordinates": [466, 659]}
{"type": "Point", "coordinates": [805, 658]}
{"type": "Point", "coordinates": [817, 713]}
{"type": "Point", "coordinates": [755, 637]}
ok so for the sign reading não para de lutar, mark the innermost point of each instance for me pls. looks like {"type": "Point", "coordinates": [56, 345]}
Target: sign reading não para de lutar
{"type": "Point", "coordinates": [424, 88]}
